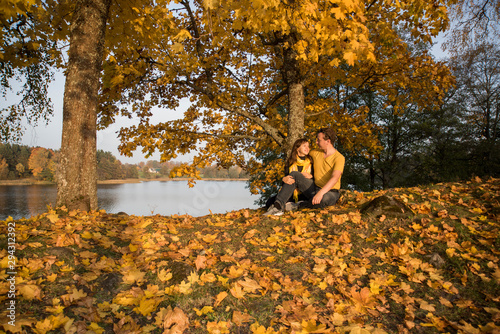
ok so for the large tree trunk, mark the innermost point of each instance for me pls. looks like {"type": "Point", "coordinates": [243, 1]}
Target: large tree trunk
{"type": "Point", "coordinates": [296, 104]}
{"type": "Point", "coordinates": [77, 177]}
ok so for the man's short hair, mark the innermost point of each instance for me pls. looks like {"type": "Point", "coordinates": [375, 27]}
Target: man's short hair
{"type": "Point", "coordinates": [329, 133]}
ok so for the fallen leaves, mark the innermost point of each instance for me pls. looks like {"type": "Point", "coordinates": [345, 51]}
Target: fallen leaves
{"type": "Point", "coordinates": [333, 270]}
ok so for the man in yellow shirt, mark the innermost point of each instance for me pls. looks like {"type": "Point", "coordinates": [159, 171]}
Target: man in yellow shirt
{"type": "Point", "coordinates": [328, 166]}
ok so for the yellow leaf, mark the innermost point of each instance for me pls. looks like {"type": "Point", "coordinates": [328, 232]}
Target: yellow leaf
{"type": "Point", "coordinates": [237, 291]}
{"type": "Point", "coordinates": [146, 223]}
{"type": "Point", "coordinates": [132, 276]}
{"type": "Point", "coordinates": [350, 57]}
{"type": "Point", "coordinates": [221, 327]}
{"type": "Point", "coordinates": [66, 269]}
{"type": "Point", "coordinates": [182, 35]}
{"type": "Point", "coordinates": [358, 330]}
{"type": "Point", "coordinates": [164, 276]}
{"type": "Point", "coordinates": [55, 309]}
{"type": "Point", "coordinates": [496, 275]}
{"type": "Point", "coordinates": [424, 305]}
{"type": "Point", "coordinates": [95, 328]}
{"type": "Point", "coordinates": [319, 268]}
{"type": "Point", "coordinates": [52, 278]}
{"type": "Point", "coordinates": [249, 285]}
{"type": "Point", "coordinates": [86, 235]}
{"type": "Point", "coordinates": [337, 319]}
{"type": "Point", "coordinates": [90, 276]}
{"type": "Point", "coordinates": [18, 324]}
{"type": "Point", "coordinates": [323, 285]}
{"type": "Point", "coordinates": [5, 262]}
{"type": "Point", "coordinates": [30, 291]}
{"type": "Point", "coordinates": [53, 217]}
{"type": "Point", "coordinates": [209, 238]}
{"type": "Point", "coordinates": [51, 323]}
{"type": "Point", "coordinates": [374, 287]}
{"type": "Point", "coordinates": [220, 297]}
{"type": "Point", "coordinates": [208, 277]}
{"type": "Point", "coordinates": [235, 272]}
{"type": "Point", "coordinates": [311, 327]}
{"type": "Point", "coordinates": [117, 80]}
{"type": "Point", "coordinates": [177, 48]}
{"type": "Point", "coordinates": [204, 310]}
{"type": "Point", "coordinates": [147, 306]}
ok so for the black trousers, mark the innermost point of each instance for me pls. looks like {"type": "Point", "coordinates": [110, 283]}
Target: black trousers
{"type": "Point", "coordinates": [308, 189]}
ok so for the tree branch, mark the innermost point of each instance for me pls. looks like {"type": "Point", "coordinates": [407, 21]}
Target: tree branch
{"type": "Point", "coordinates": [271, 131]}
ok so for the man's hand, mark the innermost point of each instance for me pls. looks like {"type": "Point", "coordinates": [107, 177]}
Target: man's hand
{"type": "Point", "coordinates": [329, 185]}
{"type": "Point", "coordinates": [317, 198]}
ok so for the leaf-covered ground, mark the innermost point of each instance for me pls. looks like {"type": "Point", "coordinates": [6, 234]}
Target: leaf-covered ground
{"type": "Point", "coordinates": [315, 271]}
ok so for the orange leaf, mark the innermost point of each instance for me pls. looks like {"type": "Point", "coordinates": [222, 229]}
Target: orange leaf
{"type": "Point", "coordinates": [240, 318]}
{"type": "Point", "coordinates": [200, 262]}
{"type": "Point", "coordinates": [220, 297]}
{"type": "Point", "coordinates": [175, 321]}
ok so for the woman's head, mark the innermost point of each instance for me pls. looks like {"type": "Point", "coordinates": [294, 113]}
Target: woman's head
{"type": "Point", "coordinates": [299, 148]}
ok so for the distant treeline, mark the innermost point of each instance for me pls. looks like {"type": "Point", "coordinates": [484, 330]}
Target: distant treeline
{"type": "Point", "coordinates": [21, 162]}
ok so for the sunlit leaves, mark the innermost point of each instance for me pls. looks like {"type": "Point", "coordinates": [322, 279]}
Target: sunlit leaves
{"type": "Point", "coordinates": [236, 62]}
{"type": "Point", "coordinates": [311, 271]}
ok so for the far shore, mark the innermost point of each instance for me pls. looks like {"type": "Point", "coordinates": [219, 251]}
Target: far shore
{"type": "Point", "coordinates": [30, 182]}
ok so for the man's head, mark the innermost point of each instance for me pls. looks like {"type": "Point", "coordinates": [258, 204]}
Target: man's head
{"type": "Point", "coordinates": [325, 137]}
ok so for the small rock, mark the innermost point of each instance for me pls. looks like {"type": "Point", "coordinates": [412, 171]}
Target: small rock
{"type": "Point", "coordinates": [437, 261]}
{"type": "Point", "coordinates": [385, 205]}
{"type": "Point", "coordinates": [110, 282]}
{"type": "Point", "coordinates": [180, 271]}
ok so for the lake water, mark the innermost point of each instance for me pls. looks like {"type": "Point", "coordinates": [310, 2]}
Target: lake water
{"type": "Point", "coordinates": [141, 199]}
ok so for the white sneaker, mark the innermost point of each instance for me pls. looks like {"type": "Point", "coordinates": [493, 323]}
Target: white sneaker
{"type": "Point", "coordinates": [273, 211]}
{"type": "Point", "coordinates": [291, 206]}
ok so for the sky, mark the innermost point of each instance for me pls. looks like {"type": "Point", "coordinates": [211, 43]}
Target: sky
{"type": "Point", "coordinates": [107, 140]}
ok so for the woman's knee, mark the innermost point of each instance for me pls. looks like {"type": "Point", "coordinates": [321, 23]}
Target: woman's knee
{"type": "Point", "coordinates": [296, 175]}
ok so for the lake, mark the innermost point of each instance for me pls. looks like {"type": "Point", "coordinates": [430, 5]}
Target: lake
{"type": "Point", "coordinates": [140, 199]}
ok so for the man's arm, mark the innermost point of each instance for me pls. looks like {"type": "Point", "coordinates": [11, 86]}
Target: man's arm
{"type": "Point", "coordinates": [336, 174]}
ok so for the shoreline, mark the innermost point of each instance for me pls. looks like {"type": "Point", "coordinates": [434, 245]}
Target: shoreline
{"type": "Point", "coordinates": [31, 182]}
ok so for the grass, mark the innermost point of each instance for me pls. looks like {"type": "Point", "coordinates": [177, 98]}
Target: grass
{"type": "Point", "coordinates": [335, 270]}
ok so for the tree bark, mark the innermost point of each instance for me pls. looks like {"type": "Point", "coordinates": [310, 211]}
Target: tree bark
{"type": "Point", "coordinates": [296, 103]}
{"type": "Point", "coordinates": [77, 175]}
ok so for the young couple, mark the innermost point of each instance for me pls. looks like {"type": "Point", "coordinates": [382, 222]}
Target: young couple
{"type": "Point", "coordinates": [316, 174]}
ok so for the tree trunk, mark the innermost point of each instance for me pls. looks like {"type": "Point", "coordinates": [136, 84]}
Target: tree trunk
{"type": "Point", "coordinates": [77, 176]}
{"type": "Point", "coordinates": [296, 104]}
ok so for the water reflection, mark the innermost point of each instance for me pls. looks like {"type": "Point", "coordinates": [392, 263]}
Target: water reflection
{"type": "Point", "coordinates": [25, 201]}
{"type": "Point", "coordinates": [146, 198]}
